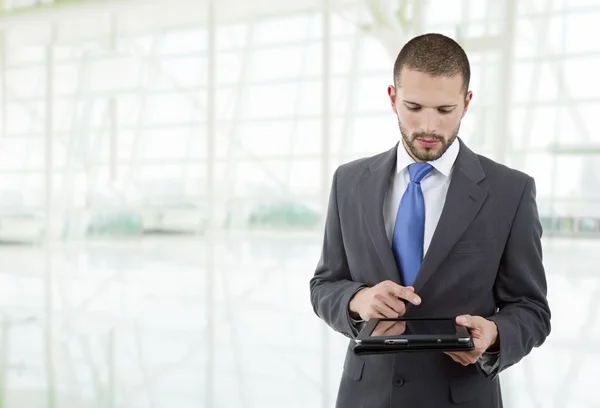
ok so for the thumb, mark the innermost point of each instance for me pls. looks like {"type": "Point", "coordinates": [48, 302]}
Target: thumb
{"type": "Point", "coordinates": [465, 321]}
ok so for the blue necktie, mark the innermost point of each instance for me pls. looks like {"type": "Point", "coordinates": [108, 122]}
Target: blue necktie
{"type": "Point", "coordinates": [409, 229]}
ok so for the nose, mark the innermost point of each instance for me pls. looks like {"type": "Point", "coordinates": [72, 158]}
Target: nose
{"type": "Point", "coordinates": [429, 121]}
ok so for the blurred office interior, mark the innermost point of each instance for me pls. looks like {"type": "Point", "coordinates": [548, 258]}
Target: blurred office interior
{"type": "Point", "coordinates": [165, 167]}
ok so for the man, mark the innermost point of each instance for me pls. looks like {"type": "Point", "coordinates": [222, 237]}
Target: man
{"type": "Point", "coordinates": [431, 229]}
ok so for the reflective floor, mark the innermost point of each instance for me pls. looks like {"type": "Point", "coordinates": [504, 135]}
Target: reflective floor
{"type": "Point", "coordinates": [123, 323]}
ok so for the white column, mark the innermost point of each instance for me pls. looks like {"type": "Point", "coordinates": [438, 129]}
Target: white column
{"type": "Point", "coordinates": [210, 212]}
{"type": "Point", "coordinates": [48, 131]}
{"type": "Point", "coordinates": [113, 154]}
{"type": "Point", "coordinates": [503, 141]}
{"type": "Point", "coordinates": [4, 100]}
{"type": "Point", "coordinates": [112, 108]}
{"type": "Point", "coordinates": [4, 361]}
{"type": "Point", "coordinates": [111, 361]}
{"type": "Point", "coordinates": [49, 212]}
{"type": "Point", "coordinates": [326, 177]}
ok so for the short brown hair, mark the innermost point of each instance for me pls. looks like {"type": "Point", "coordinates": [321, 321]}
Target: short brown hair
{"type": "Point", "coordinates": [436, 55]}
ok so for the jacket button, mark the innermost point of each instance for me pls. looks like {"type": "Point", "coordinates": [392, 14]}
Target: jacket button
{"type": "Point", "coordinates": [398, 381]}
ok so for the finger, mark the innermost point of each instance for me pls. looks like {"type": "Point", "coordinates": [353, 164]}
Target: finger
{"type": "Point", "coordinates": [454, 356]}
{"type": "Point", "coordinates": [396, 330]}
{"type": "Point", "coordinates": [471, 358]}
{"type": "Point", "coordinates": [380, 329]}
{"type": "Point", "coordinates": [463, 320]}
{"type": "Point", "coordinates": [375, 315]}
{"type": "Point", "coordinates": [471, 322]}
{"type": "Point", "coordinates": [388, 301]}
{"type": "Point", "coordinates": [385, 325]}
{"type": "Point", "coordinates": [386, 329]}
{"type": "Point", "coordinates": [404, 293]}
{"type": "Point", "coordinates": [459, 358]}
{"type": "Point", "coordinates": [451, 354]}
{"type": "Point", "coordinates": [396, 304]}
{"type": "Point", "coordinates": [381, 307]}
{"type": "Point", "coordinates": [400, 328]}
{"type": "Point", "coordinates": [468, 357]}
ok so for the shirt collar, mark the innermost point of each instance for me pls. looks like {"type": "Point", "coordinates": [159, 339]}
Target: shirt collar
{"type": "Point", "coordinates": [443, 164]}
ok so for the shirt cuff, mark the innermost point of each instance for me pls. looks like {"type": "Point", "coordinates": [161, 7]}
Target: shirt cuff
{"type": "Point", "coordinates": [489, 362]}
{"type": "Point", "coordinates": [356, 324]}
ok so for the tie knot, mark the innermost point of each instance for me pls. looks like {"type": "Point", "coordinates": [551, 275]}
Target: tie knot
{"type": "Point", "coordinates": [418, 170]}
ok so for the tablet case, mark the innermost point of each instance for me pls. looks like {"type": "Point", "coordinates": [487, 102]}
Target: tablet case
{"type": "Point", "coordinates": [362, 349]}
{"type": "Point", "coordinates": [367, 347]}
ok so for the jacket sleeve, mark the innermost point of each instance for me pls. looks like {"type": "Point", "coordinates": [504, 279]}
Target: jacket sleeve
{"type": "Point", "coordinates": [523, 315]}
{"type": "Point", "coordinates": [332, 287]}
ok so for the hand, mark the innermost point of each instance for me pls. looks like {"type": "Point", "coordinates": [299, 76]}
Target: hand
{"type": "Point", "coordinates": [382, 300]}
{"type": "Point", "coordinates": [484, 333]}
{"type": "Point", "coordinates": [389, 328]}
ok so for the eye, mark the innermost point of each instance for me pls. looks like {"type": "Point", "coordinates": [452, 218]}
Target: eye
{"type": "Point", "coordinates": [444, 111]}
{"type": "Point", "coordinates": [413, 109]}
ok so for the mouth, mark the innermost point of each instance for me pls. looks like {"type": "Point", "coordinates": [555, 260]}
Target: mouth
{"type": "Point", "coordinates": [428, 143]}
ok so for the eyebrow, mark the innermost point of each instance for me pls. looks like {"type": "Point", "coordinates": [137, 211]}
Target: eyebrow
{"type": "Point", "coordinates": [441, 106]}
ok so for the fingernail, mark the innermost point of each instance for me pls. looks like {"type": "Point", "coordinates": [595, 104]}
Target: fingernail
{"type": "Point", "coordinates": [416, 300]}
{"type": "Point", "coordinates": [462, 320]}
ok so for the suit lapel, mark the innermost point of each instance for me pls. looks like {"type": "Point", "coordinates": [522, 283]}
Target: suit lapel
{"type": "Point", "coordinates": [463, 201]}
{"type": "Point", "coordinates": [373, 187]}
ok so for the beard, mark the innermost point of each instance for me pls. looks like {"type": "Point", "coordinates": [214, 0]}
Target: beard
{"type": "Point", "coordinates": [427, 153]}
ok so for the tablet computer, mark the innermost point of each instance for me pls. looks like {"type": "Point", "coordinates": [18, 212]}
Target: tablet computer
{"type": "Point", "coordinates": [413, 334]}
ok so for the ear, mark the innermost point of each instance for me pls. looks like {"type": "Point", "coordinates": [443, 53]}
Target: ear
{"type": "Point", "coordinates": [467, 102]}
{"type": "Point", "coordinates": [392, 94]}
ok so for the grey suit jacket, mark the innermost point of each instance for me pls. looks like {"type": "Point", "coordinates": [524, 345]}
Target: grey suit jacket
{"type": "Point", "coordinates": [485, 259]}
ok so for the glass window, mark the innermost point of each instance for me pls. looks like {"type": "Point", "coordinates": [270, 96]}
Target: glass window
{"type": "Point", "coordinates": [233, 36]}
{"type": "Point", "coordinates": [116, 74]}
{"type": "Point", "coordinates": [179, 73]}
{"type": "Point", "coordinates": [371, 94]}
{"type": "Point", "coordinates": [292, 62]}
{"type": "Point", "coordinates": [184, 41]}
{"type": "Point", "coordinates": [539, 77]}
{"type": "Point", "coordinates": [577, 75]}
{"type": "Point", "coordinates": [580, 27]}
{"type": "Point", "coordinates": [263, 139]}
{"type": "Point", "coordinates": [286, 29]}
{"type": "Point", "coordinates": [269, 101]}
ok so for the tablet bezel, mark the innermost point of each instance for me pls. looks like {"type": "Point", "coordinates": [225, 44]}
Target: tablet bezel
{"type": "Point", "coordinates": [462, 335]}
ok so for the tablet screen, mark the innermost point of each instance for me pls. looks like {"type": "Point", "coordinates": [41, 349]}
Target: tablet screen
{"type": "Point", "coordinates": [414, 327]}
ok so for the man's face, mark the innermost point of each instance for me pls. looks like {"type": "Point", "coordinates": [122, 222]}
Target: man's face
{"type": "Point", "coordinates": [429, 111]}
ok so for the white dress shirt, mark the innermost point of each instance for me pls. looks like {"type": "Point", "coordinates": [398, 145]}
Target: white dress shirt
{"type": "Point", "coordinates": [434, 186]}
